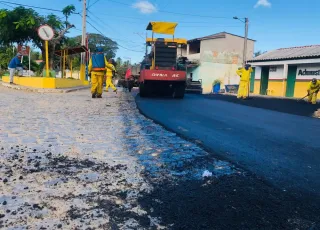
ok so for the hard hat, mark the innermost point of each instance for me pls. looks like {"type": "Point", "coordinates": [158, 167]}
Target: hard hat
{"type": "Point", "coordinates": [314, 80]}
{"type": "Point", "coordinates": [99, 49]}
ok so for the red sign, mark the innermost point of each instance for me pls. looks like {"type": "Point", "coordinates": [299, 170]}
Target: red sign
{"type": "Point", "coordinates": [162, 75]}
{"type": "Point", "coordinates": [24, 50]}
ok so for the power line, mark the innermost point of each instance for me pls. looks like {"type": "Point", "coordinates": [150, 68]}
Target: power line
{"type": "Point", "coordinates": [118, 44]}
{"type": "Point", "coordinates": [114, 37]}
{"type": "Point", "coordinates": [36, 7]}
{"type": "Point", "coordinates": [108, 36]}
{"type": "Point", "coordinates": [103, 22]}
{"type": "Point", "coordinates": [143, 19]}
{"type": "Point", "coordinates": [92, 4]}
{"type": "Point", "coordinates": [7, 5]}
{"type": "Point", "coordinates": [108, 27]}
{"type": "Point", "coordinates": [190, 24]}
{"type": "Point", "coordinates": [211, 26]}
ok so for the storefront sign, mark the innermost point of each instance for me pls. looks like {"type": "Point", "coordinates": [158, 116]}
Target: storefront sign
{"type": "Point", "coordinates": [308, 72]}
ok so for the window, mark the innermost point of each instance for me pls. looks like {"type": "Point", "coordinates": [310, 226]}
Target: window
{"type": "Point", "coordinates": [273, 69]}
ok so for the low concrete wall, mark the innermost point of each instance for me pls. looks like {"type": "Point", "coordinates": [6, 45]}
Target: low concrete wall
{"type": "Point", "coordinates": [278, 88]}
{"type": "Point", "coordinates": [45, 82]}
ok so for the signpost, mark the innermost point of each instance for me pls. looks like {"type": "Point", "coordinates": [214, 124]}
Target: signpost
{"type": "Point", "coordinates": [46, 33]}
{"type": "Point", "coordinates": [24, 50]}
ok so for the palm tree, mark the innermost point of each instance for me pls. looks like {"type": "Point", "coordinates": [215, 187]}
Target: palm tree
{"type": "Point", "coordinates": [67, 11]}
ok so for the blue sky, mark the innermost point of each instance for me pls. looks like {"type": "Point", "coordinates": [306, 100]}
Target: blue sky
{"type": "Point", "coordinates": [273, 23]}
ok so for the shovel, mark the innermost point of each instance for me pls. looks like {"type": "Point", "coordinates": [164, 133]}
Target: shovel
{"type": "Point", "coordinates": [301, 99]}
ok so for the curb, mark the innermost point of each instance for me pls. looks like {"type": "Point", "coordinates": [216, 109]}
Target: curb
{"type": "Point", "coordinates": [30, 89]}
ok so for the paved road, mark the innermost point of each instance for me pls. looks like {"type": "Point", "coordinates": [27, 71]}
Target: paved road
{"type": "Point", "coordinates": [280, 147]}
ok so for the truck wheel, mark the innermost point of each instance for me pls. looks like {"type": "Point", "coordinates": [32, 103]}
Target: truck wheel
{"type": "Point", "coordinates": [179, 91]}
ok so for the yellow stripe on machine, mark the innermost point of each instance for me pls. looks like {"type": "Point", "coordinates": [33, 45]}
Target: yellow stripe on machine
{"type": "Point", "coordinates": [177, 40]}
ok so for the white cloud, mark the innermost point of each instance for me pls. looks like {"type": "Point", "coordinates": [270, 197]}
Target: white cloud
{"type": "Point", "coordinates": [145, 7]}
{"type": "Point", "coordinates": [264, 3]}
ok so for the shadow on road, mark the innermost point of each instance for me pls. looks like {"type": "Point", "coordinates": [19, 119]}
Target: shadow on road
{"type": "Point", "coordinates": [290, 106]}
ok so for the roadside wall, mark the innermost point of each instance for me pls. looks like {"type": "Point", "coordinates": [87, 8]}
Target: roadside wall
{"type": "Point", "coordinates": [220, 58]}
{"type": "Point", "coordinates": [44, 82]}
{"type": "Point", "coordinates": [216, 65]}
{"type": "Point", "coordinates": [278, 78]}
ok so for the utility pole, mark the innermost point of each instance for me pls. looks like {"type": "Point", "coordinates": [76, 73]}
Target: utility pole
{"type": "Point", "coordinates": [83, 41]}
{"type": "Point", "coordinates": [146, 44]}
{"type": "Point", "coordinates": [245, 42]}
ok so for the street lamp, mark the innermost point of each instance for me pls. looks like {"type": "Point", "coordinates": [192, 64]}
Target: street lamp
{"type": "Point", "coordinates": [246, 22]}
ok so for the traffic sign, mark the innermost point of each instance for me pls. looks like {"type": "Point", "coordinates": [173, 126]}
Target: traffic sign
{"type": "Point", "coordinates": [45, 32]}
{"type": "Point", "coordinates": [23, 50]}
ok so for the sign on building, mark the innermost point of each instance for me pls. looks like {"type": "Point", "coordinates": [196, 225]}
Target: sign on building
{"type": "Point", "coordinates": [308, 71]}
{"type": "Point", "coordinates": [273, 69]}
{"type": "Point", "coordinates": [24, 50]}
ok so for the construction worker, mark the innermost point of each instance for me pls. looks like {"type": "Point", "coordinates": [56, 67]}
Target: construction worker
{"type": "Point", "coordinates": [244, 73]}
{"type": "Point", "coordinates": [15, 64]}
{"type": "Point", "coordinates": [110, 72]}
{"type": "Point", "coordinates": [128, 79]}
{"type": "Point", "coordinates": [97, 67]}
{"type": "Point", "coordinates": [313, 90]}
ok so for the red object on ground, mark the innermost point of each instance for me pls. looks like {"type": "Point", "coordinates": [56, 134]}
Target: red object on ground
{"type": "Point", "coordinates": [128, 74]}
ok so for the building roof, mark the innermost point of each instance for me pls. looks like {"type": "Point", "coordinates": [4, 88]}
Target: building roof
{"type": "Point", "coordinates": [301, 52]}
{"type": "Point", "coordinates": [71, 51]}
{"type": "Point", "coordinates": [215, 36]}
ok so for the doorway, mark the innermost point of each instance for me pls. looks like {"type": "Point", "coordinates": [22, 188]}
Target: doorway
{"type": "Point", "coordinates": [291, 80]}
{"type": "Point", "coordinates": [253, 74]}
{"type": "Point", "coordinates": [264, 80]}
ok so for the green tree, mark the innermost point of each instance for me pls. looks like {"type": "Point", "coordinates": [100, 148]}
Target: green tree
{"type": "Point", "coordinates": [6, 54]}
{"type": "Point", "coordinates": [33, 65]}
{"type": "Point", "coordinates": [258, 53]}
{"type": "Point", "coordinates": [67, 11]}
{"type": "Point", "coordinates": [121, 68]}
{"type": "Point", "coordinates": [119, 61]}
{"type": "Point", "coordinates": [35, 55]}
{"type": "Point", "coordinates": [108, 46]}
{"type": "Point", "coordinates": [20, 26]}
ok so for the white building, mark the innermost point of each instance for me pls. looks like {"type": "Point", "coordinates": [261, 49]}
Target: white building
{"type": "Point", "coordinates": [219, 56]}
{"type": "Point", "coordinates": [285, 72]}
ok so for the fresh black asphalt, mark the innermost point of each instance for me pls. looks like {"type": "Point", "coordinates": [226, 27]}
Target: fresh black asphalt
{"type": "Point", "coordinates": [280, 147]}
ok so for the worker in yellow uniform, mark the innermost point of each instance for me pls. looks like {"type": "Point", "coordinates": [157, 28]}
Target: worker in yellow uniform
{"type": "Point", "coordinates": [110, 70]}
{"type": "Point", "coordinates": [97, 68]}
{"type": "Point", "coordinates": [244, 73]}
{"type": "Point", "coordinates": [313, 90]}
